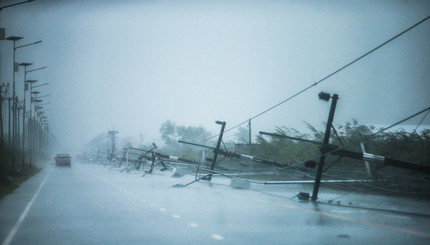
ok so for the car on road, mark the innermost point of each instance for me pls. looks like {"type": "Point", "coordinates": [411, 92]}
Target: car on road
{"type": "Point", "coordinates": [63, 159]}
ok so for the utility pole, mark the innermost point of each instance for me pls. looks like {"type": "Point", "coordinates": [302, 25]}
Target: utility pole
{"type": "Point", "coordinates": [209, 177]}
{"type": "Point", "coordinates": [326, 97]}
{"type": "Point", "coordinates": [249, 129]}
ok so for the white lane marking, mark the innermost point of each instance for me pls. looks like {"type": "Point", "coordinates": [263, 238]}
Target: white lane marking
{"type": "Point", "coordinates": [152, 204]}
{"type": "Point", "coordinates": [142, 200]}
{"type": "Point", "coordinates": [162, 209]}
{"type": "Point", "coordinates": [217, 237]}
{"type": "Point", "coordinates": [176, 216]}
{"type": "Point", "coordinates": [15, 228]}
{"type": "Point", "coordinates": [194, 225]}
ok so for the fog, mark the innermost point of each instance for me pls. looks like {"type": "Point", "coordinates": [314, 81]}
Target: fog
{"type": "Point", "coordinates": [132, 65]}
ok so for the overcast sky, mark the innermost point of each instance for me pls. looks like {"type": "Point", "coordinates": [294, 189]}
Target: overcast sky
{"type": "Point", "coordinates": [131, 65]}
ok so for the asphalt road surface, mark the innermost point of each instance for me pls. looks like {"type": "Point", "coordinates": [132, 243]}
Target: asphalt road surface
{"type": "Point", "coordinates": [92, 204]}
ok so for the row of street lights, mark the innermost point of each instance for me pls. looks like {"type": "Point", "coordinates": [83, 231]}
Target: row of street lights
{"type": "Point", "coordinates": [34, 135]}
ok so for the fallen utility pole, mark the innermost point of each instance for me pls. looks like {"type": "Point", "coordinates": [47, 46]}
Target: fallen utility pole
{"type": "Point", "coordinates": [335, 150]}
{"type": "Point", "coordinates": [144, 155]}
{"type": "Point", "coordinates": [239, 156]}
{"type": "Point", "coordinates": [326, 97]}
{"type": "Point", "coordinates": [166, 157]}
{"type": "Point", "coordinates": [223, 123]}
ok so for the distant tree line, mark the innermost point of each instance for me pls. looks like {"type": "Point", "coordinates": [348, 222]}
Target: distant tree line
{"type": "Point", "coordinates": [412, 147]}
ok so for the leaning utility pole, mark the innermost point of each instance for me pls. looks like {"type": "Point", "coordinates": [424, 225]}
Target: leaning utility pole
{"type": "Point", "coordinates": [326, 97]}
{"type": "Point", "coordinates": [209, 177]}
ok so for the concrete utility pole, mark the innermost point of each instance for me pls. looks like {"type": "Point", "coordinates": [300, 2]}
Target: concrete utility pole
{"type": "Point", "coordinates": [326, 97]}
{"type": "Point", "coordinates": [249, 130]}
{"type": "Point", "coordinates": [217, 148]}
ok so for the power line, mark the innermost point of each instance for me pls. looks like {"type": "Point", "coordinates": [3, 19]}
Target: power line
{"type": "Point", "coordinates": [324, 78]}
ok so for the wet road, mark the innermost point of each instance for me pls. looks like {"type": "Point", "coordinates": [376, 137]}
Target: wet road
{"type": "Point", "coordinates": [90, 204]}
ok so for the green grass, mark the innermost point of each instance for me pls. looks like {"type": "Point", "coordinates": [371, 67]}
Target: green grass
{"type": "Point", "coordinates": [9, 183]}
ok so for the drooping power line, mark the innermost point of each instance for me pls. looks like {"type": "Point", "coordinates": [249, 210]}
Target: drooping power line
{"type": "Point", "coordinates": [324, 78]}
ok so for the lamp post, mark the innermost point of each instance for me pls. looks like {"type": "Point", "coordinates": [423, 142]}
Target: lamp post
{"type": "Point", "coordinates": [36, 122]}
{"type": "Point", "coordinates": [2, 37]}
{"type": "Point", "coordinates": [22, 46]}
{"type": "Point", "coordinates": [15, 69]}
{"type": "Point", "coordinates": [19, 107]}
{"type": "Point", "coordinates": [30, 118]}
{"type": "Point", "coordinates": [1, 111]}
{"type": "Point", "coordinates": [23, 111]}
{"type": "Point", "coordinates": [14, 39]}
{"type": "Point", "coordinates": [31, 125]}
{"type": "Point", "coordinates": [33, 81]}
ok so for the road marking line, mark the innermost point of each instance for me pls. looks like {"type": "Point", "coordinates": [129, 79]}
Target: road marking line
{"type": "Point", "coordinates": [152, 204]}
{"type": "Point", "coordinates": [217, 237]}
{"type": "Point", "coordinates": [142, 200]}
{"type": "Point", "coordinates": [162, 209]}
{"type": "Point", "coordinates": [176, 216]}
{"type": "Point", "coordinates": [15, 228]}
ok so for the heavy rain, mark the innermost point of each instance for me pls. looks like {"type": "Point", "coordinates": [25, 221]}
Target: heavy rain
{"type": "Point", "coordinates": [215, 122]}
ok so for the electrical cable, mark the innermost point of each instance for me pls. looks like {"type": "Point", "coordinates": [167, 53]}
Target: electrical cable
{"type": "Point", "coordinates": [324, 78]}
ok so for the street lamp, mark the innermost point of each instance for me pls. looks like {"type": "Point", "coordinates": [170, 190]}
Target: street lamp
{"type": "Point", "coordinates": [23, 111]}
{"type": "Point", "coordinates": [1, 110]}
{"type": "Point", "coordinates": [30, 119]}
{"type": "Point", "coordinates": [15, 69]}
{"type": "Point", "coordinates": [36, 123]}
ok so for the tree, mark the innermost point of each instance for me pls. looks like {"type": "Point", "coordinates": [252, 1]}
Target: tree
{"type": "Point", "coordinates": [168, 133]}
{"type": "Point", "coordinates": [193, 134]}
{"type": "Point", "coordinates": [242, 135]}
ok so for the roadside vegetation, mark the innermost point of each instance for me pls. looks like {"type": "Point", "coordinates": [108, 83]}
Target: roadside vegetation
{"type": "Point", "coordinates": [12, 171]}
